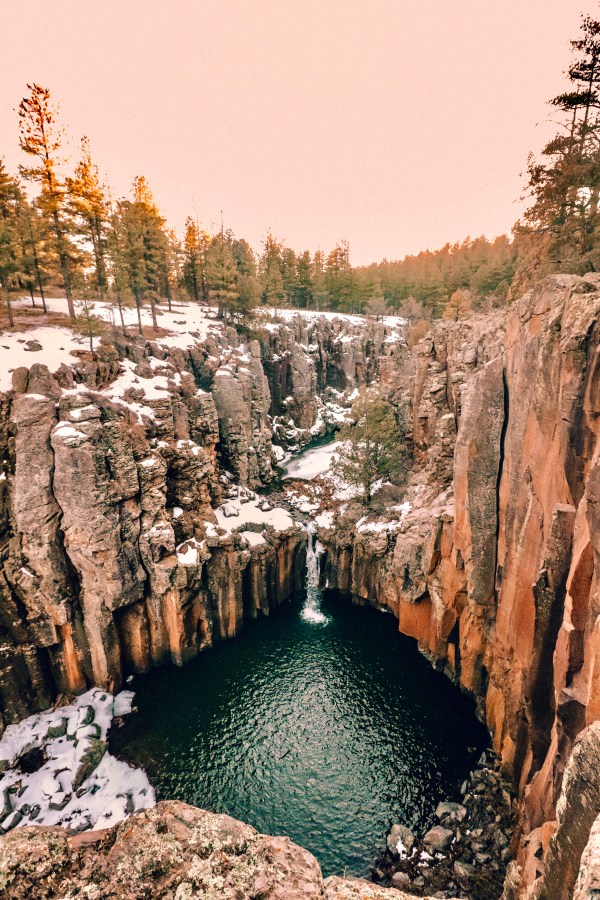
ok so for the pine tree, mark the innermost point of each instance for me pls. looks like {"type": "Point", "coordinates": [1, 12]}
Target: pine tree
{"type": "Point", "coordinates": [42, 139]}
{"type": "Point", "coordinates": [248, 297]}
{"type": "Point", "coordinates": [222, 276]}
{"type": "Point", "coordinates": [565, 184]}
{"type": "Point", "coordinates": [140, 250]}
{"type": "Point", "coordinates": [36, 250]}
{"type": "Point", "coordinates": [194, 257]}
{"type": "Point", "coordinates": [191, 259]}
{"type": "Point", "coordinates": [10, 257]}
{"type": "Point", "coordinates": [289, 277]}
{"type": "Point", "coordinates": [304, 280]}
{"type": "Point", "coordinates": [373, 444]}
{"type": "Point", "coordinates": [244, 257]}
{"type": "Point", "coordinates": [90, 205]}
{"type": "Point", "coordinates": [320, 294]}
{"type": "Point", "coordinates": [120, 295]}
{"type": "Point", "coordinates": [271, 278]}
{"type": "Point", "coordinates": [87, 323]}
{"type": "Point", "coordinates": [340, 280]}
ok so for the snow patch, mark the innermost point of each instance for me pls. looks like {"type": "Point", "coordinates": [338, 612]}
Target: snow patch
{"type": "Point", "coordinates": [58, 345]}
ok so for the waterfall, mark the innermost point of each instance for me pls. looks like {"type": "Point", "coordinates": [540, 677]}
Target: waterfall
{"type": "Point", "coordinates": [312, 560]}
{"type": "Point", "coordinates": [312, 606]}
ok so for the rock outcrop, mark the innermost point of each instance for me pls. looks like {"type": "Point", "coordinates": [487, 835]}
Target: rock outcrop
{"type": "Point", "coordinates": [173, 851]}
{"type": "Point", "coordinates": [111, 558]}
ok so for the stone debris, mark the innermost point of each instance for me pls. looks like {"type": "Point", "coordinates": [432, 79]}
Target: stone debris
{"type": "Point", "coordinates": [467, 852]}
{"type": "Point", "coordinates": [56, 769]}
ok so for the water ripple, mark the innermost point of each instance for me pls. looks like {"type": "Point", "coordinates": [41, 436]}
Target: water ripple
{"type": "Point", "coordinates": [320, 722]}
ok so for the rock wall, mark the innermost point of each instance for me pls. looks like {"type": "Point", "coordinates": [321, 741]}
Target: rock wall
{"type": "Point", "coordinates": [111, 561]}
{"type": "Point", "coordinates": [495, 568]}
{"type": "Point", "coordinates": [313, 365]}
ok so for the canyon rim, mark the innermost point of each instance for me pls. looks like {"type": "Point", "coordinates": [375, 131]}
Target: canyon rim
{"type": "Point", "coordinates": [115, 561]}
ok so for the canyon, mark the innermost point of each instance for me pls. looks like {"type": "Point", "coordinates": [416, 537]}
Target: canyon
{"type": "Point", "coordinates": [133, 532]}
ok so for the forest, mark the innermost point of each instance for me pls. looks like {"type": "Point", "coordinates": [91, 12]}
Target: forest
{"type": "Point", "coordinates": [61, 230]}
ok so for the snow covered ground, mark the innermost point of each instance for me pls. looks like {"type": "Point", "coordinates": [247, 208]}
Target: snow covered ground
{"type": "Point", "coordinates": [287, 315]}
{"type": "Point", "coordinates": [69, 779]}
{"type": "Point", "coordinates": [57, 346]}
{"type": "Point", "coordinates": [312, 463]}
{"type": "Point", "coordinates": [188, 322]}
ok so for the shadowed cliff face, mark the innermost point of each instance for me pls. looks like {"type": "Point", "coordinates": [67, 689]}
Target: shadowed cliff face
{"type": "Point", "coordinates": [495, 570]}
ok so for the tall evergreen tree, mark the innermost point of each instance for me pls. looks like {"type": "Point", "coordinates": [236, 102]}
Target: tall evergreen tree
{"type": "Point", "coordinates": [10, 256]}
{"type": "Point", "coordinates": [140, 249]}
{"type": "Point", "coordinates": [318, 281]}
{"type": "Point", "coordinates": [41, 139]}
{"type": "Point", "coordinates": [36, 251]}
{"type": "Point", "coordinates": [90, 205]}
{"type": "Point", "coordinates": [222, 275]}
{"type": "Point", "coordinates": [192, 264]}
{"type": "Point", "coordinates": [372, 444]}
{"type": "Point", "coordinates": [565, 184]}
{"type": "Point", "coordinates": [271, 276]}
{"type": "Point", "coordinates": [304, 280]}
{"type": "Point", "coordinates": [194, 260]}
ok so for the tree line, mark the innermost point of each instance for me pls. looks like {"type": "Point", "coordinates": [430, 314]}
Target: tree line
{"type": "Point", "coordinates": [67, 232]}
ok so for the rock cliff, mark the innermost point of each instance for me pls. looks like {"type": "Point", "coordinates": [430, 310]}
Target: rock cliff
{"type": "Point", "coordinates": [173, 851]}
{"type": "Point", "coordinates": [112, 559]}
{"type": "Point", "coordinates": [494, 566]}
{"type": "Point", "coordinates": [115, 555]}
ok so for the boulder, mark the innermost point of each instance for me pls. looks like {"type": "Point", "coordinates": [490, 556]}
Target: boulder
{"type": "Point", "coordinates": [400, 841]}
{"type": "Point", "coordinates": [453, 811]}
{"type": "Point", "coordinates": [438, 839]}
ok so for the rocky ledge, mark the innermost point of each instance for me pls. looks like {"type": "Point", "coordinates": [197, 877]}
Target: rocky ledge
{"type": "Point", "coordinates": [173, 851]}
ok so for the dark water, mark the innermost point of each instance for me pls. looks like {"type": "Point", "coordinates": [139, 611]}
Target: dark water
{"type": "Point", "coordinates": [321, 723]}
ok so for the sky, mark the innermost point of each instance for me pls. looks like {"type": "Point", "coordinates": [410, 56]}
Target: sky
{"type": "Point", "coordinates": [397, 125]}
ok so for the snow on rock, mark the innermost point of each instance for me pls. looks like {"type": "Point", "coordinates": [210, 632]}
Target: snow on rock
{"type": "Point", "coordinates": [253, 538]}
{"type": "Point", "coordinates": [249, 513]}
{"type": "Point", "coordinates": [57, 348]}
{"type": "Point", "coordinates": [377, 527]}
{"type": "Point", "coordinates": [56, 769]}
{"type": "Point", "coordinates": [325, 520]}
{"type": "Point", "coordinates": [302, 502]}
{"type": "Point", "coordinates": [279, 453]}
{"type": "Point", "coordinates": [67, 433]}
{"type": "Point", "coordinates": [288, 315]}
{"type": "Point", "coordinates": [188, 552]}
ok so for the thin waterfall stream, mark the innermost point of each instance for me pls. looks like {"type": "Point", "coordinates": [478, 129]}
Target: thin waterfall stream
{"type": "Point", "coordinates": [320, 722]}
{"type": "Point", "coordinates": [312, 605]}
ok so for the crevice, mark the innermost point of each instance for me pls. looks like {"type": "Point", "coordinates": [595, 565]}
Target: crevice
{"type": "Point", "coordinates": [502, 454]}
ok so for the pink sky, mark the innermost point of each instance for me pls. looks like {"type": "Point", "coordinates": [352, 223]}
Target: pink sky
{"type": "Point", "coordinates": [396, 124]}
